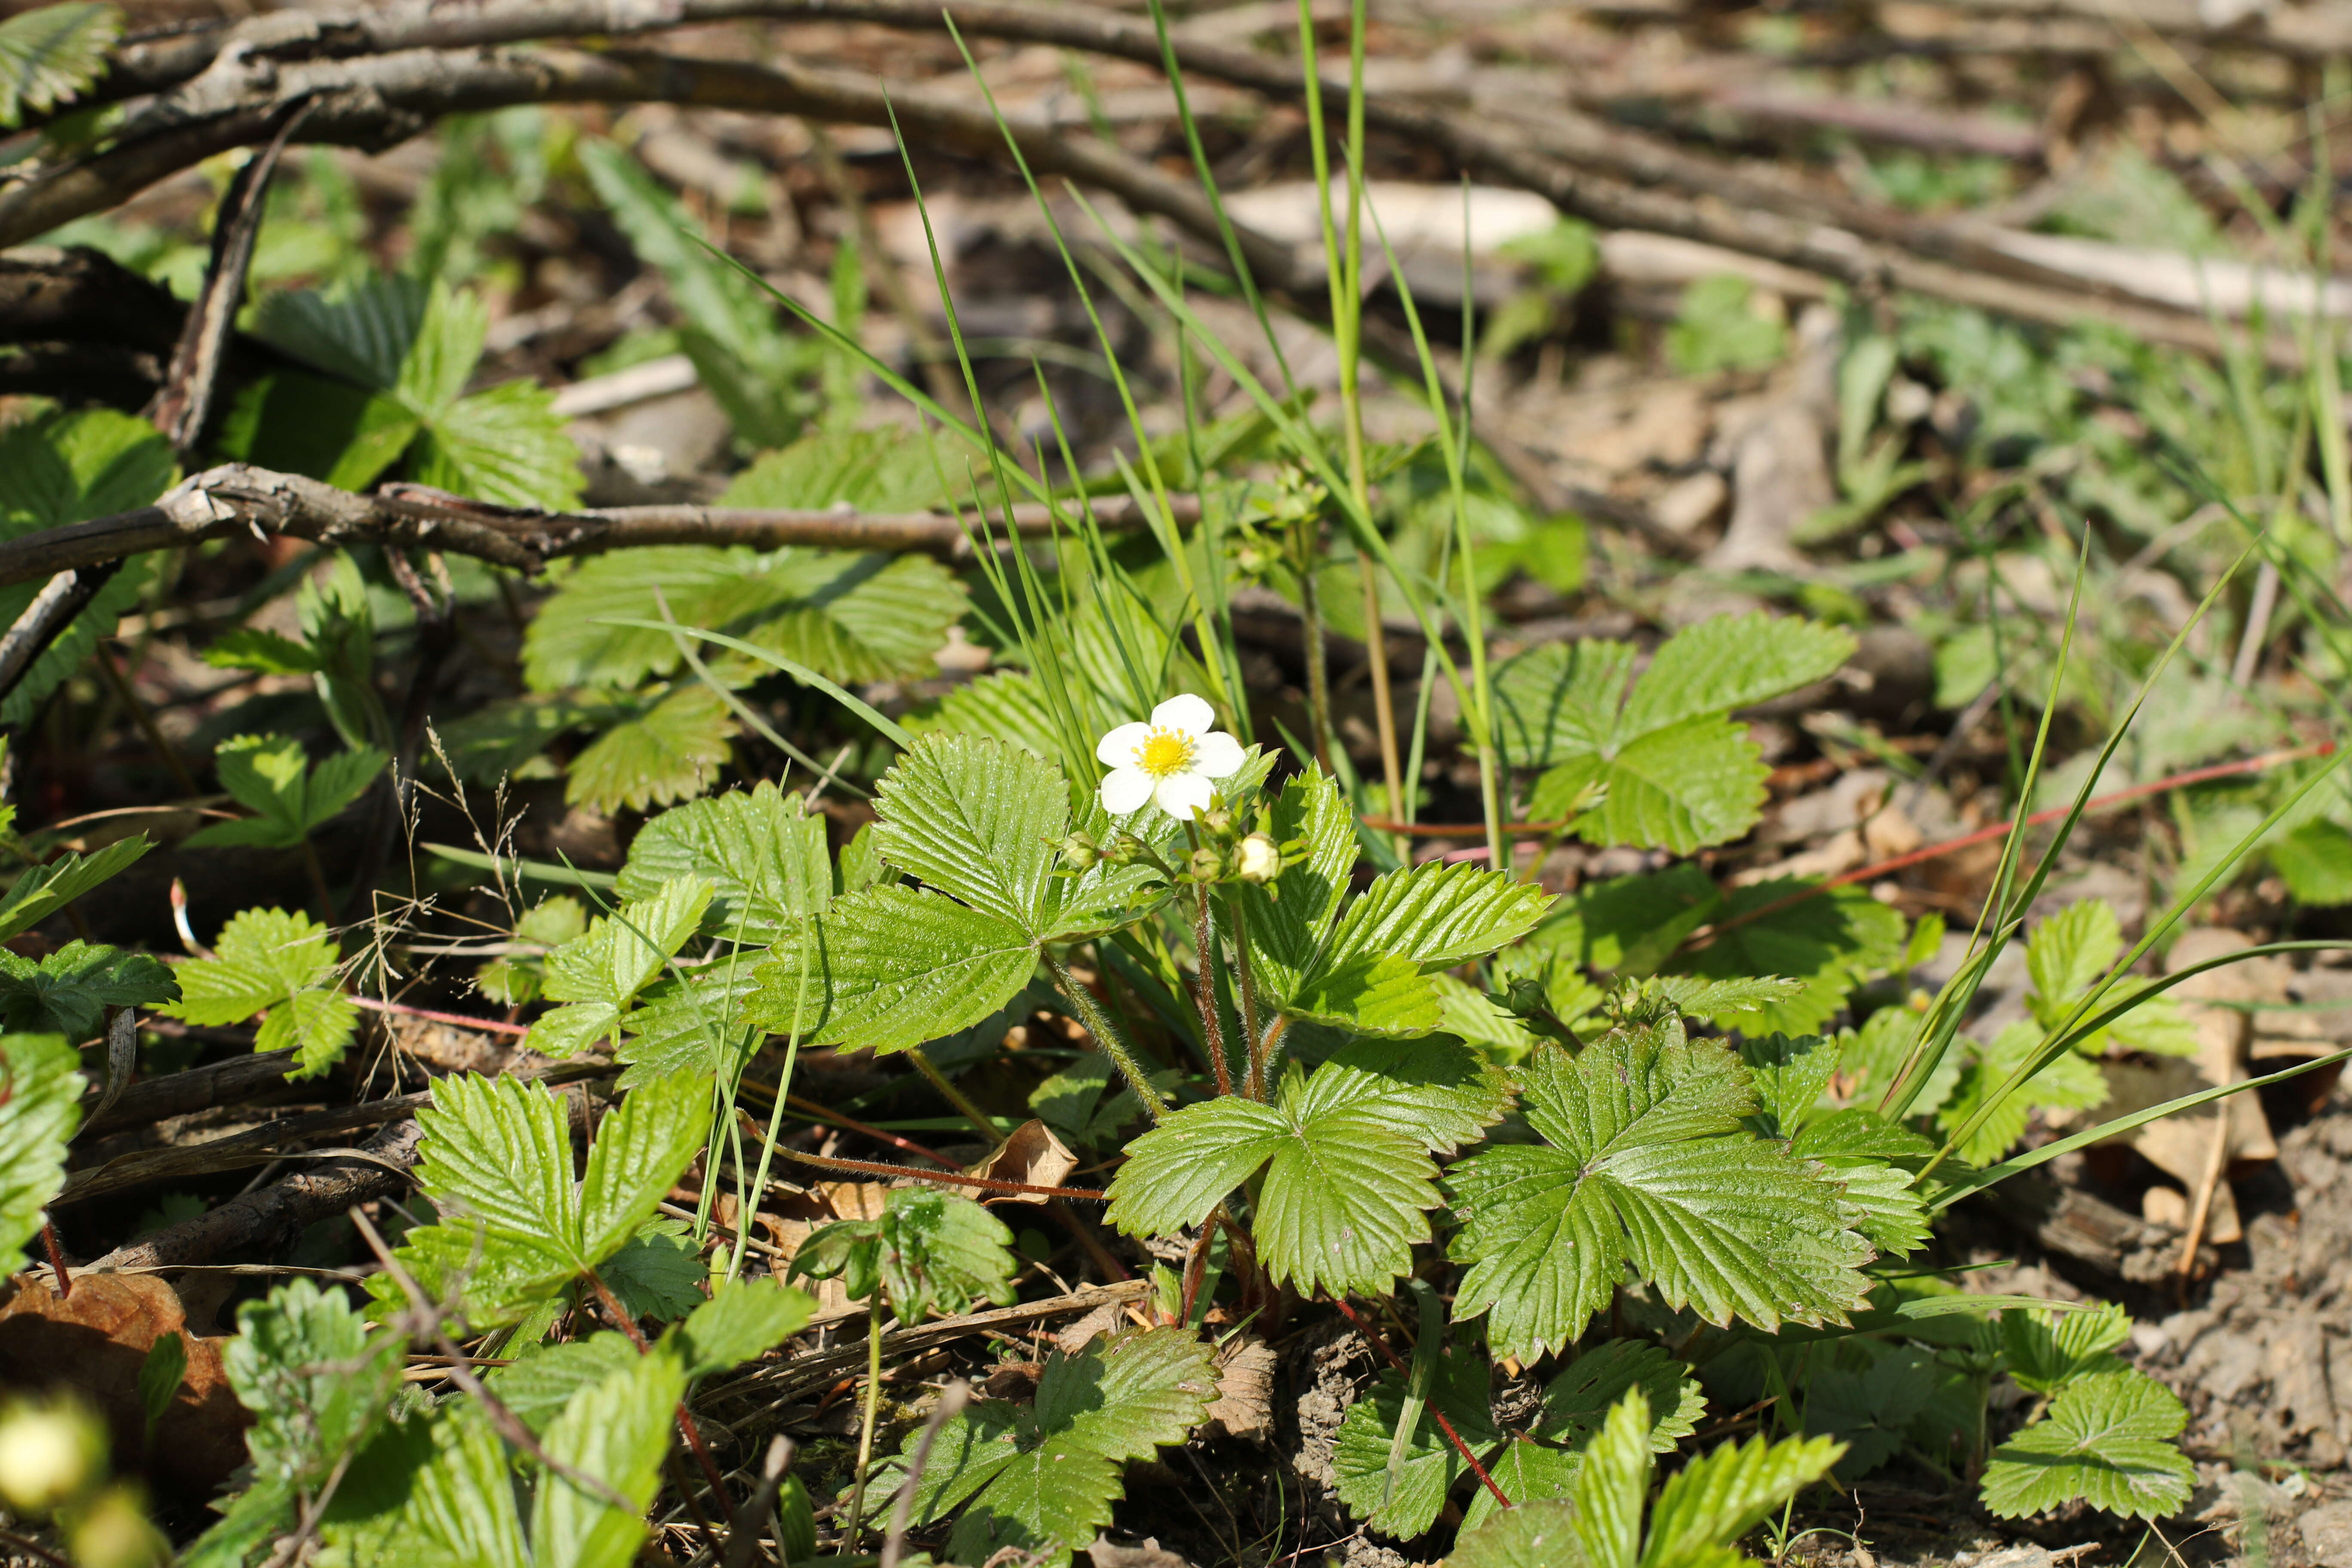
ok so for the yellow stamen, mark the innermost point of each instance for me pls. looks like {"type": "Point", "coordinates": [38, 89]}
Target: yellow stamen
{"type": "Point", "coordinates": [1164, 752]}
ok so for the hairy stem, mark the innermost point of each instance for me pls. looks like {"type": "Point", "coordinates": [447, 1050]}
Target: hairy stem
{"type": "Point", "coordinates": [1248, 987]}
{"type": "Point", "coordinates": [1106, 1036]}
{"type": "Point", "coordinates": [865, 1429]}
{"type": "Point", "coordinates": [1204, 982]}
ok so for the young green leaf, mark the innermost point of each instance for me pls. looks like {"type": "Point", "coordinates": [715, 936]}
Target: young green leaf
{"type": "Point", "coordinates": [2048, 1350]}
{"type": "Point", "coordinates": [69, 990]}
{"type": "Point", "coordinates": [930, 1254]}
{"type": "Point", "coordinates": [669, 750]}
{"type": "Point", "coordinates": [270, 776]}
{"type": "Point", "coordinates": [42, 890]}
{"type": "Point", "coordinates": [543, 1378]}
{"type": "Point", "coordinates": [977, 819]}
{"type": "Point", "coordinates": [1828, 941]}
{"type": "Point", "coordinates": [1043, 1479]}
{"type": "Point", "coordinates": [617, 1431]}
{"type": "Point", "coordinates": [1645, 1165]}
{"type": "Point", "coordinates": [317, 1383]}
{"type": "Point", "coordinates": [1660, 765]}
{"type": "Point", "coordinates": [599, 973]}
{"type": "Point", "coordinates": [1538, 1535]}
{"type": "Point", "coordinates": [763, 852]}
{"type": "Point", "coordinates": [1346, 1153]}
{"type": "Point", "coordinates": [269, 960]}
{"type": "Point", "coordinates": [2106, 1440]}
{"type": "Point", "coordinates": [743, 1319]}
{"type": "Point", "coordinates": [504, 444]}
{"type": "Point", "coordinates": [51, 54]}
{"type": "Point", "coordinates": [1717, 1498]}
{"type": "Point", "coordinates": [1373, 974]}
{"type": "Point", "coordinates": [37, 1117]}
{"type": "Point", "coordinates": [638, 1152]}
{"type": "Point", "coordinates": [1542, 1462]}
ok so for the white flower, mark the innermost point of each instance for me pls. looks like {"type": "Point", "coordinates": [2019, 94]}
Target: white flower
{"type": "Point", "coordinates": [1169, 759]}
{"type": "Point", "coordinates": [1260, 860]}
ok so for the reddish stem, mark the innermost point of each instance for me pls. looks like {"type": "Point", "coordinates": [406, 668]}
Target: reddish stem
{"type": "Point", "coordinates": [461, 1020]}
{"type": "Point", "coordinates": [57, 1260]}
{"type": "Point", "coordinates": [1460, 1447]}
{"type": "Point", "coordinates": [949, 1178]}
{"type": "Point", "coordinates": [811, 1107]}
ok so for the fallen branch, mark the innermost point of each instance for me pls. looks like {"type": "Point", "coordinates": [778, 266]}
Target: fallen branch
{"type": "Point", "coordinates": [237, 499]}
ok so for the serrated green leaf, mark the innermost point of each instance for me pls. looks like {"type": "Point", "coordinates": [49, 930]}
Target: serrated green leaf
{"type": "Point", "coordinates": [505, 737]}
{"type": "Point", "coordinates": [2048, 1350]}
{"type": "Point", "coordinates": [763, 852]}
{"type": "Point", "coordinates": [1716, 1000]}
{"type": "Point", "coordinates": [1830, 942]}
{"type": "Point", "coordinates": [1722, 1495]}
{"type": "Point", "coordinates": [599, 973]}
{"type": "Point", "coordinates": [671, 750]}
{"type": "Point", "coordinates": [506, 445]}
{"type": "Point", "coordinates": [42, 890]}
{"type": "Point", "coordinates": [316, 1381]}
{"type": "Point", "coordinates": [1646, 1166]}
{"type": "Point", "coordinates": [617, 1431]}
{"type": "Point", "coordinates": [541, 1381]}
{"type": "Point", "coordinates": [1539, 1535]}
{"type": "Point", "coordinates": [657, 1273]}
{"type": "Point", "coordinates": [1346, 1153]}
{"type": "Point", "coordinates": [870, 470]}
{"type": "Point", "coordinates": [37, 1117]}
{"type": "Point", "coordinates": [1372, 973]}
{"type": "Point", "coordinates": [1870, 1408]}
{"type": "Point", "coordinates": [500, 1151]}
{"type": "Point", "coordinates": [639, 1153]}
{"type": "Point", "coordinates": [1007, 705]}
{"type": "Point", "coordinates": [2108, 1440]}
{"type": "Point", "coordinates": [270, 776]}
{"type": "Point", "coordinates": [362, 333]}
{"type": "Point", "coordinates": [1790, 1075]}
{"type": "Point", "coordinates": [269, 960]}
{"type": "Point", "coordinates": [69, 990]}
{"type": "Point", "coordinates": [1671, 769]}
{"type": "Point", "coordinates": [743, 1319]}
{"type": "Point", "coordinates": [1613, 1482]}
{"type": "Point", "coordinates": [695, 1025]}
{"type": "Point", "coordinates": [1289, 922]}
{"type": "Point", "coordinates": [51, 55]}
{"type": "Point", "coordinates": [1043, 1478]}
{"type": "Point", "coordinates": [2070, 950]}
{"type": "Point", "coordinates": [891, 967]}
{"type": "Point", "coordinates": [850, 616]}
{"type": "Point", "coordinates": [1430, 1465]}
{"type": "Point", "coordinates": [930, 1253]}
{"type": "Point", "coordinates": [63, 469]}
{"type": "Point", "coordinates": [2068, 1082]}
{"type": "Point", "coordinates": [977, 819]}
{"type": "Point", "coordinates": [265, 653]}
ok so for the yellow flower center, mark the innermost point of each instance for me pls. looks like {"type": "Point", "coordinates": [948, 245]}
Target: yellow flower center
{"type": "Point", "coordinates": [1164, 752]}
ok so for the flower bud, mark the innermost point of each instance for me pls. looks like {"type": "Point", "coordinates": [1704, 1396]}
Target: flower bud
{"type": "Point", "coordinates": [113, 1531]}
{"type": "Point", "coordinates": [1126, 850]}
{"type": "Point", "coordinates": [1218, 820]}
{"type": "Point", "coordinates": [1259, 860]}
{"type": "Point", "coordinates": [1206, 866]}
{"type": "Point", "coordinates": [1080, 850]}
{"type": "Point", "coordinates": [49, 1455]}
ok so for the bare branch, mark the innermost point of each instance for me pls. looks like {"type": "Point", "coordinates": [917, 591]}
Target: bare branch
{"type": "Point", "coordinates": [236, 498]}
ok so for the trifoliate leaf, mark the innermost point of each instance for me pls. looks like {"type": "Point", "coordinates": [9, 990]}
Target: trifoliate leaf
{"type": "Point", "coordinates": [269, 960]}
{"type": "Point", "coordinates": [317, 1383]}
{"type": "Point", "coordinates": [1430, 1465]}
{"type": "Point", "coordinates": [1669, 769]}
{"type": "Point", "coordinates": [763, 852]}
{"type": "Point", "coordinates": [37, 1116]}
{"type": "Point", "coordinates": [42, 890]}
{"type": "Point", "coordinates": [69, 990]}
{"type": "Point", "coordinates": [270, 776]}
{"type": "Point", "coordinates": [1831, 942]}
{"type": "Point", "coordinates": [639, 1152]}
{"type": "Point", "coordinates": [743, 1319]}
{"type": "Point", "coordinates": [1043, 1478]}
{"type": "Point", "coordinates": [2069, 1082]}
{"type": "Point", "coordinates": [2048, 1350]}
{"type": "Point", "coordinates": [600, 972]}
{"type": "Point", "coordinates": [657, 1273]}
{"type": "Point", "coordinates": [930, 1253]}
{"type": "Point", "coordinates": [849, 616]}
{"type": "Point", "coordinates": [670, 750]}
{"type": "Point", "coordinates": [890, 968]}
{"type": "Point", "coordinates": [62, 468]}
{"type": "Point", "coordinates": [1542, 1462]}
{"type": "Point", "coordinates": [52, 54]}
{"type": "Point", "coordinates": [1645, 1165]}
{"type": "Point", "coordinates": [2108, 1440]}
{"type": "Point", "coordinates": [2070, 950]}
{"type": "Point", "coordinates": [618, 1431]}
{"type": "Point", "coordinates": [1346, 1153]}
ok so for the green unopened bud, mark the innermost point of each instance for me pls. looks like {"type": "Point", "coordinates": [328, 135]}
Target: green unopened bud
{"type": "Point", "coordinates": [1080, 850]}
{"type": "Point", "coordinates": [49, 1455]}
{"type": "Point", "coordinates": [1259, 860]}
{"type": "Point", "coordinates": [113, 1531]}
{"type": "Point", "coordinates": [1217, 820]}
{"type": "Point", "coordinates": [1205, 865]}
{"type": "Point", "coordinates": [1126, 850]}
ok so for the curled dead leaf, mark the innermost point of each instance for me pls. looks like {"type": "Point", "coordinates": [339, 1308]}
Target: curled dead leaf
{"type": "Point", "coordinates": [1032, 1156]}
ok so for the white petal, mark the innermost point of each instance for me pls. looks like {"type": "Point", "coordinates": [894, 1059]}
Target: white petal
{"type": "Point", "coordinates": [1116, 749]}
{"type": "Point", "coordinates": [1181, 795]}
{"type": "Point", "coordinates": [1218, 755]}
{"type": "Point", "coordinates": [1187, 714]}
{"type": "Point", "coordinates": [1125, 790]}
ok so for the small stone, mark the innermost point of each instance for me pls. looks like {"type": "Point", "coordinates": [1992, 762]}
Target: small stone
{"type": "Point", "coordinates": [2327, 1534]}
